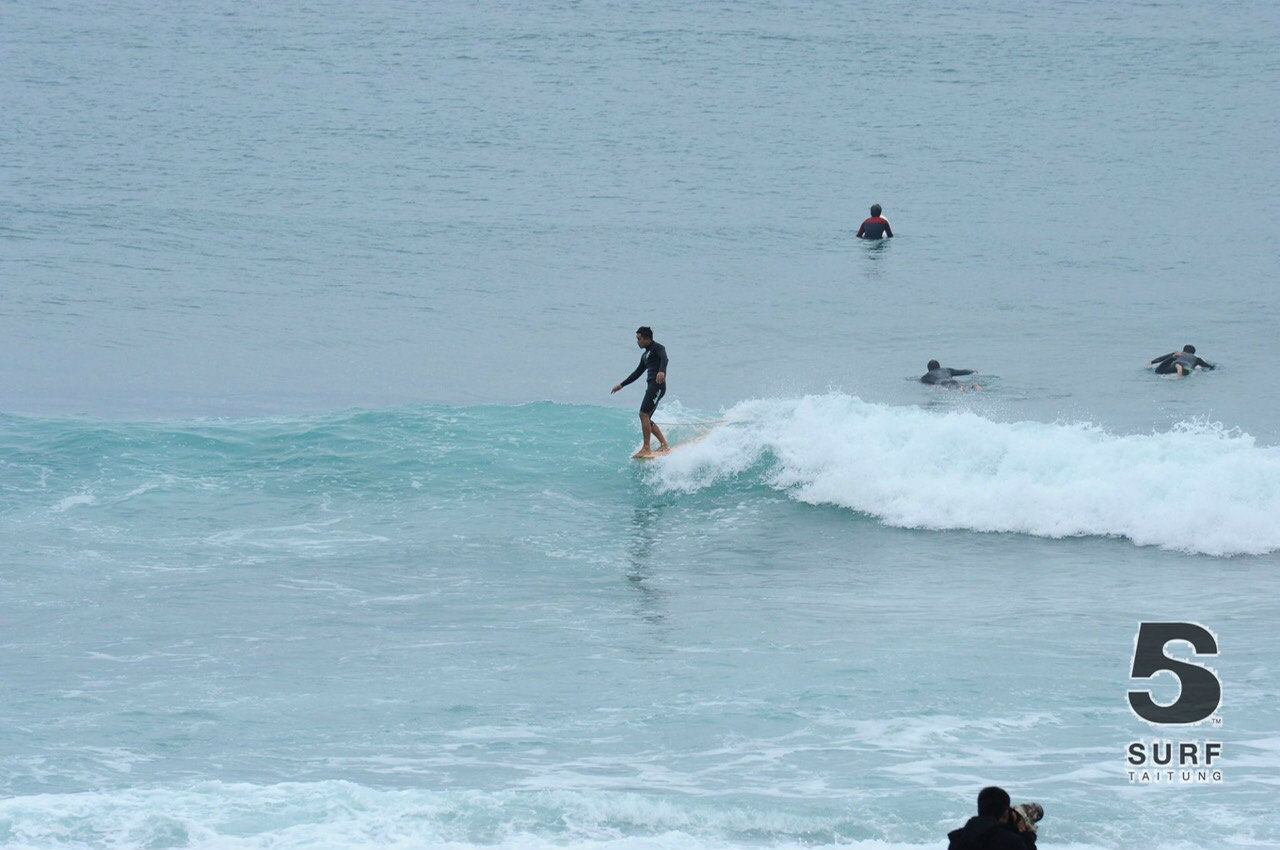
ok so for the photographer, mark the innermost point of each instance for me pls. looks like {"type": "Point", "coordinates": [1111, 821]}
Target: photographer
{"type": "Point", "coordinates": [998, 826]}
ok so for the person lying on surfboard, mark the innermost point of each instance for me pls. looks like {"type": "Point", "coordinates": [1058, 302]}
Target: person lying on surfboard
{"type": "Point", "coordinates": [654, 360]}
{"type": "Point", "coordinates": [941, 376]}
{"type": "Point", "coordinates": [1179, 362]}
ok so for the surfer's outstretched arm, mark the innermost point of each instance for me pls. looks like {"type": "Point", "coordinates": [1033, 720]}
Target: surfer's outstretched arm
{"type": "Point", "coordinates": [637, 373]}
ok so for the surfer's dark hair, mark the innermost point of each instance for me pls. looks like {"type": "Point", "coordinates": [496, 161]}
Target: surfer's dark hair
{"type": "Point", "coordinates": [1189, 349]}
{"type": "Point", "coordinates": [933, 364]}
{"type": "Point", "coordinates": [875, 209]}
{"type": "Point", "coordinates": [645, 331]}
{"type": "Point", "coordinates": [992, 801]}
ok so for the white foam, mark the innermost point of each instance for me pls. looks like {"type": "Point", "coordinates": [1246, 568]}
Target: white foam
{"type": "Point", "coordinates": [673, 414]}
{"type": "Point", "coordinates": [140, 489]}
{"type": "Point", "coordinates": [1198, 488]}
{"type": "Point", "coordinates": [343, 814]}
{"type": "Point", "coordinates": [72, 501]}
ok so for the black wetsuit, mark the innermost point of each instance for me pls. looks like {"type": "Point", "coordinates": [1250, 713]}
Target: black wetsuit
{"type": "Point", "coordinates": [943, 376]}
{"type": "Point", "coordinates": [987, 833]}
{"type": "Point", "coordinates": [875, 228]}
{"type": "Point", "coordinates": [654, 360]}
{"type": "Point", "coordinates": [1168, 364]}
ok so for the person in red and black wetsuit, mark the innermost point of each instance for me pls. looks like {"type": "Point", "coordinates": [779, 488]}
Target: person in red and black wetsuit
{"type": "Point", "coordinates": [875, 227]}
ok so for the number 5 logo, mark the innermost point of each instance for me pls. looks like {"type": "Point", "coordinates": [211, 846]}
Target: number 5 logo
{"type": "Point", "coordinates": [1200, 693]}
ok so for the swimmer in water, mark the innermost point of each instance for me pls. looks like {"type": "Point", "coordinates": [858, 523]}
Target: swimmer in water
{"type": "Point", "coordinates": [941, 376]}
{"type": "Point", "coordinates": [1179, 362]}
{"type": "Point", "coordinates": [875, 227]}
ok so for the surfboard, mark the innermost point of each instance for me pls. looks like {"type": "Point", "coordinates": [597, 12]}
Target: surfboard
{"type": "Point", "coordinates": [657, 454]}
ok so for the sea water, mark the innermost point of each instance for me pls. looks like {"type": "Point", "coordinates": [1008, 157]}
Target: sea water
{"type": "Point", "coordinates": [317, 520]}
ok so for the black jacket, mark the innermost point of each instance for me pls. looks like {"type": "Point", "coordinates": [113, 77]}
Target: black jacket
{"type": "Point", "coordinates": [1165, 363]}
{"type": "Point", "coordinates": [987, 833]}
{"type": "Point", "coordinates": [943, 375]}
{"type": "Point", "coordinates": [654, 360]}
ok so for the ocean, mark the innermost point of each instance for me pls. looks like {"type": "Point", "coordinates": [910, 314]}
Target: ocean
{"type": "Point", "coordinates": [318, 523]}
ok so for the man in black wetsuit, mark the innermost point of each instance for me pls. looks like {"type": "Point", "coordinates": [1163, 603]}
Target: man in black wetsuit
{"type": "Point", "coordinates": [944, 377]}
{"type": "Point", "coordinates": [1179, 362]}
{"type": "Point", "coordinates": [875, 227]}
{"type": "Point", "coordinates": [654, 360]}
{"type": "Point", "coordinates": [996, 827]}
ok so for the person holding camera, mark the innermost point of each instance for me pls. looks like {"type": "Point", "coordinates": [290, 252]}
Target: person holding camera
{"type": "Point", "coordinates": [998, 826]}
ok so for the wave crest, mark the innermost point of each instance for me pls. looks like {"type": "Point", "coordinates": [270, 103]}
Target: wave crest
{"type": "Point", "coordinates": [1198, 488]}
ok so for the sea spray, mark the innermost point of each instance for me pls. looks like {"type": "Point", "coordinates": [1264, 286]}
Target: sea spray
{"type": "Point", "coordinates": [1197, 488]}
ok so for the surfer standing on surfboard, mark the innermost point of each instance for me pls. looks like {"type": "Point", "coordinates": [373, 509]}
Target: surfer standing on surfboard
{"type": "Point", "coordinates": [654, 360]}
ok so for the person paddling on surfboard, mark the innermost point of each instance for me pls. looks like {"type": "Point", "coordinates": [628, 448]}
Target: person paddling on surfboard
{"type": "Point", "coordinates": [941, 376]}
{"type": "Point", "coordinates": [1179, 362]}
{"type": "Point", "coordinates": [654, 360]}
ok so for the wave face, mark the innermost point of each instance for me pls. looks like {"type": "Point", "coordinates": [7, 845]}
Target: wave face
{"type": "Point", "coordinates": [486, 626]}
{"type": "Point", "coordinates": [1199, 488]}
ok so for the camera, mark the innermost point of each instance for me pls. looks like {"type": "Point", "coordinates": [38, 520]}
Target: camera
{"type": "Point", "coordinates": [1025, 816]}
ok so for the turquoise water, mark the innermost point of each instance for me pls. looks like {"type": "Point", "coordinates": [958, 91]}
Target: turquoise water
{"type": "Point", "coordinates": [317, 519]}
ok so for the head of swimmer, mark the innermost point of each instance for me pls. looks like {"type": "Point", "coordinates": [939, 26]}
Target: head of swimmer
{"type": "Point", "coordinates": [1189, 349]}
{"type": "Point", "coordinates": [875, 210]}
{"type": "Point", "coordinates": [644, 336]}
{"type": "Point", "coordinates": [933, 364]}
